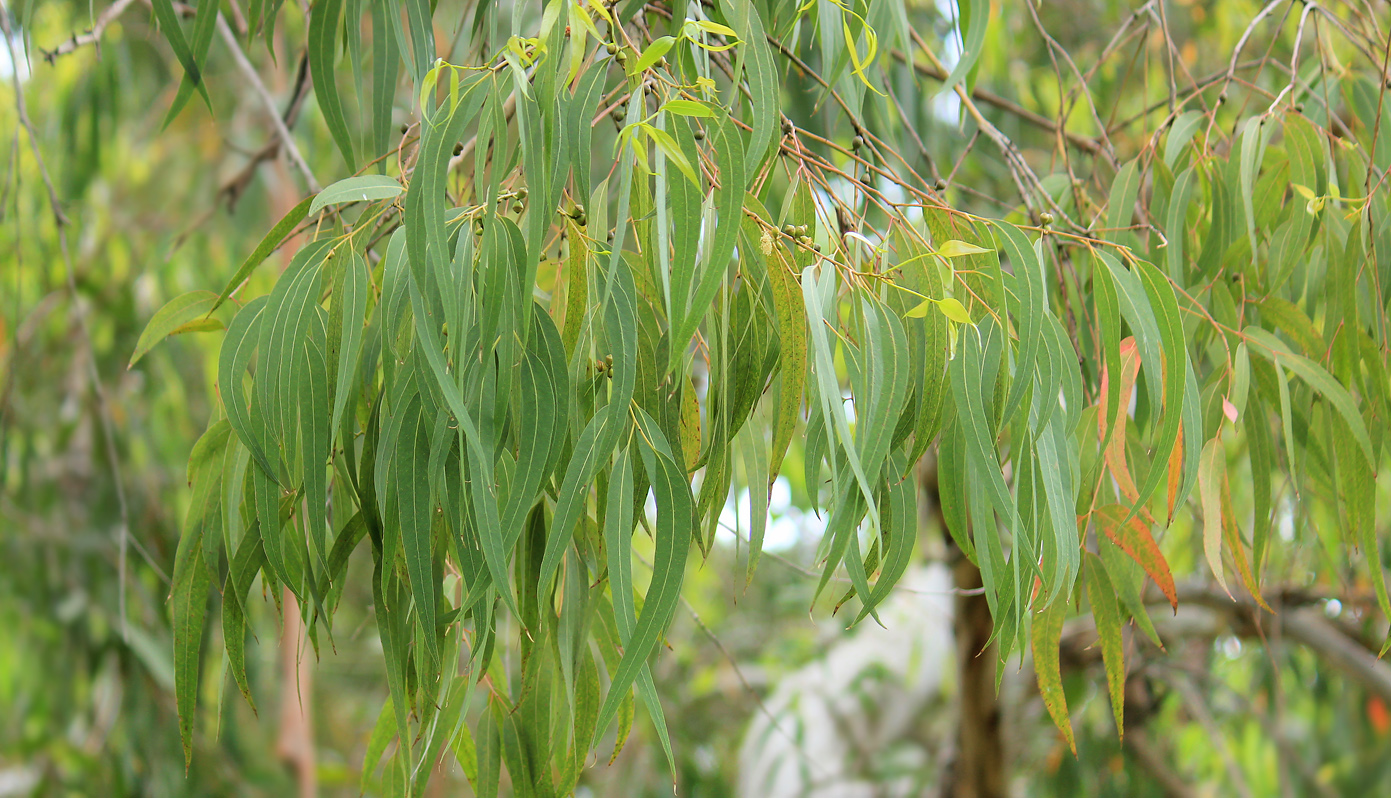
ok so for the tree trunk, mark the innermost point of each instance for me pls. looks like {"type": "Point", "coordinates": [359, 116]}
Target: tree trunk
{"type": "Point", "coordinates": [296, 743]}
{"type": "Point", "coordinates": [978, 768]}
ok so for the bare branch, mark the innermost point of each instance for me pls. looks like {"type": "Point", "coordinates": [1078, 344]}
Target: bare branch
{"type": "Point", "coordinates": [92, 36]}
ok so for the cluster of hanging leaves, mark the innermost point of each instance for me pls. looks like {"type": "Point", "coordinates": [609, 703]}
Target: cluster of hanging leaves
{"type": "Point", "coordinates": [491, 355]}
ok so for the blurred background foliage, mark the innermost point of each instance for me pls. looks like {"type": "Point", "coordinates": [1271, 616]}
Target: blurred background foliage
{"type": "Point", "coordinates": [87, 707]}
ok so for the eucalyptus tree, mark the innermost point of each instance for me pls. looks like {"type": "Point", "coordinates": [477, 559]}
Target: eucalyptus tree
{"type": "Point", "coordinates": [592, 263]}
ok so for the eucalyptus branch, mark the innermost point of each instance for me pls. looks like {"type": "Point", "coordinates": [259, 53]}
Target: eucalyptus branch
{"type": "Point", "coordinates": [92, 36]}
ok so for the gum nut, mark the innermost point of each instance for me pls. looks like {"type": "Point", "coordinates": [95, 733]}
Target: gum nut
{"type": "Point", "coordinates": [941, 184]}
{"type": "Point", "coordinates": [517, 207]}
{"type": "Point", "coordinates": [1046, 218]}
{"type": "Point", "coordinates": [610, 48]}
{"type": "Point", "coordinates": [458, 149]}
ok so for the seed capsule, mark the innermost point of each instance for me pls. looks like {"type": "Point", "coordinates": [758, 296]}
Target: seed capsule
{"type": "Point", "coordinates": [610, 48]}
{"type": "Point", "coordinates": [941, 184]}
{"type": "Point", "coordinates": [518, 207]}
{"type": "Point", "coordinates": [581, 219]}
{"type": "Point", "coordinates": [698, 134]}
{"type": "Point", "coordinates": [857, 142]}
{"type": "Point", "coordinates": [1046, 218]}
{"type": "Point", "coordinates": [458, 149]}
{"type": "Point", "coordinates": [521, 193]}
{"type": "Point", "coordinates": [790, 230]}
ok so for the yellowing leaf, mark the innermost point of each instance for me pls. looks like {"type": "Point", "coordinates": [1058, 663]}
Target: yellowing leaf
{"type": "Point", "coordinates": [1304, 191]}
{"type": "Point", "coordinates": [1107, 615]}
{"type": "Point", "coordinates": [1047, 635]}
{"type": "Point", "coordinates": [1212, 470]}
{"type": "Point", "coordinates": [716, 28]}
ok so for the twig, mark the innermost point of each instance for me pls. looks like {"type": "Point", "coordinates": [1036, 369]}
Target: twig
{"type": "Point", "coordinates": [92, 36]}
{"type": "Point", "coordinates": [254, 79]}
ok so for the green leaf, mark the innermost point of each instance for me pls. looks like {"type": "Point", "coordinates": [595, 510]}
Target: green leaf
{"type": "Point", "coordinates": [1181, 132]}
{"type": "Point", "coordinates": [1121, 205]}
{"type": "Point", "coordinates": [1028, 312]}
{"type": "Point", "coordinates": [323, 52]}
{"type": "Point", "coordinates": [364, 188]}
{"type": "Point", "coordinates": [204, 24]}
{"type": "Point", "coordinates": [272, 240]}
{"type": "Point", "coordinates": [792, 343]}
{"type": "Point", "coordinates": [675, 528]}
{"type": "Point", "coordinates": [191, 580]}
{"type": "Point", "coordinates": [1274, 349]}
{"type": "Point", "coordinates": [172, 320]}
{"type": "Point", "coordinates": [174, 34]}
{"type": "Point", "coordinates": [972, 20]}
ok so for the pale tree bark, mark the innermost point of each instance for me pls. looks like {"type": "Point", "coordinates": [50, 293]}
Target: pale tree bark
{"type": "Point", "coordinates": [295, 746]}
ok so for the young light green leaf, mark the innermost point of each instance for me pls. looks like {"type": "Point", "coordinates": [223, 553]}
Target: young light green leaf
{"type": "Point", "coordinates": [955, 249]}
{"type": "Point", "coordinates": [653, 54]}
{"type": "Point", "coordinates": [688, 108]}
{"type": "Point", "coordinates": [673, 153]}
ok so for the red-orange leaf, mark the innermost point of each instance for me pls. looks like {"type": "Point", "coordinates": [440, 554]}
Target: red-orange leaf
{"type": "Point", "coordinates": [1175, 470]}
{"type": "Point", "coordinates": [1134, 538]}
{"type": "Point", "coordinates": [1115, 449]}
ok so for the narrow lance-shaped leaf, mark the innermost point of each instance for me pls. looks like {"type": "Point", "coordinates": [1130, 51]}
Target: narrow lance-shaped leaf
{"type": "Point", "coordinates": [1047, 635]}
{"type": "Point", "coordinates": [1106, 614]}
